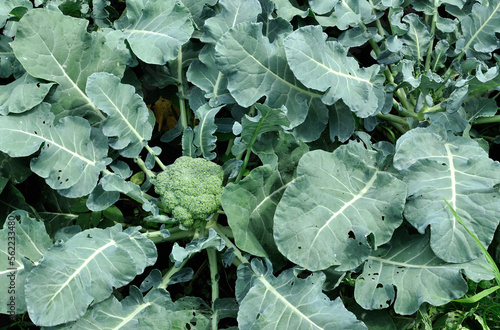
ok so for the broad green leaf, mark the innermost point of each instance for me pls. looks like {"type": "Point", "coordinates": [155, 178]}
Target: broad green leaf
{"type": "Point", "coordinates": [204, 74]}
{"type": "Point", "coordinates": [325, 66]}
{"type": "Point", "coordinates": [255, 68]}
{"type": "Point", "coordinates": [129, 123]}
{"type": "Point", "coordinates": [479, 28]}
{"type": "Point", "coordinates": [289, 302]}
{"type": "Point", "coordinates": [58, 48]}
{"type": "Point", "coordinates": [22, 94]}
{"type": "Point", "coordinates": [84, 270]}
{"type": "Point", "coordinates": [438, 167]}
{"type": "Point", "coordinates": [408, 265]}
{"type": "Point", "coordinates": [233, 12]}
{"type": "Point", "coordinates": [153, 311]}
{"type": "Point", "coordinates": [416, 40]}
{"type": "Point", "coordinates": [204, 138]}
{"type": "Point", "coordinates": [155, 29]}
{"type": "Point", "coordinates": [337, 200]}
{"type": "Point", "coordinates": [24, 241]}
{"type": "Point", "coordinates": [249, 206]}
{"type": "Point", "coordinates": [72, 156]}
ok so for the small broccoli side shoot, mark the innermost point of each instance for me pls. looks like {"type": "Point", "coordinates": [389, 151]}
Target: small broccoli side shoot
{"type": "Point", "coordinates": [190, 190]}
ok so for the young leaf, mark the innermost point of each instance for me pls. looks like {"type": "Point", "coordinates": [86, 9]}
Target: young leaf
{"type": "Point", "coordinates": [204, 138]}
{"type": "Point", "coordinates": [255, 68]}
{"type": "Point", "coordinates": [179, 254]}
{"type": "Point", "coordinates": [409, 266]}
{"type": "Point", "coordinates": [287, 301]}
{"type": "Point", "coordinates": [325, 66]}
{"type": "Point", "coordinates": [88, 266]}
{"type": "Point", "coordinates": [129, 123]}
{"type": "Point", "coordinates": [29, 242]}
{"type": "Point", "coordinates": [58, 48]}
{"type": "Point", "coordinates": [267, 120]}
{"type": "Point", "coordinates": [155, 29]}
{"type": "Point", "coordinates": [72, 156]}
{"type": "Point", "coordinates": [337, 200]}
{"type": "Point", "coordinates": [457, 169]}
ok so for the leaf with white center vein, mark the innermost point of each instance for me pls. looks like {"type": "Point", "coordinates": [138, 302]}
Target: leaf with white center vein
{"type": "Point", "coordinates": [255, 68]}
{"type": "Point", "coordinates": [58, 48]}
{"type": "Point", "coordinates": [324, 66]}
{"type": "Point", "coordinates": [129, 123]}
{"type": "Point", "coordinates": [72, 156]}
{"type": "Point", "coordinates": [440, 167]}
{"type": "Point", "coordinates": [155, 29]}
{"type": "Point", "coordinates": [84, 270]}
{"type": "Point", "coordinates": [409, 266]}
{"type": "Point", "coordinates": [288, 302]}
{"type": "Point", "coordinates": [337, 200]}
{"type": "Point", "coordinates": [29, 242]}
{"type": "Point", "coordinates": [153, 311]}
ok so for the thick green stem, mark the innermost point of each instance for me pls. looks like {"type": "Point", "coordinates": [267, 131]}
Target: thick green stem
{"type": "Point", "coordinates": [214, 272]}
{"type": "Point", "coordinates": [487, 120]}
{"type": "Point", "coordinates": [176, 234]}
{"type": "Point", "coordinates": [399, 123]}
{"type": "Point", "coordinates": [143, 167]}
{"type": "Point", "coordinates": [431, 44]}
{"type": "Point", "coordinates": [171, 272]}
{"type": "Point", "coordinates": [180, 87]}
{"type": "Point", "coordinates": [230, 244]}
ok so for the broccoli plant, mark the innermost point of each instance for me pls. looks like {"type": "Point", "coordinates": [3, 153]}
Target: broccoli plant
{"type": "Point", "coordinates": [190, 190]}
{"type": "Point", "coordinates": [251, 164]}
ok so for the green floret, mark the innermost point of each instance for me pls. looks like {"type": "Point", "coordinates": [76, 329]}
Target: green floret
{"type": "Point", "coordinates": [190, 189]}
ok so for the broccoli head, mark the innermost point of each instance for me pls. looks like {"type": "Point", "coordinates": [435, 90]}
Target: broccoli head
{"type": "Point", "coordinates": [190, 189]}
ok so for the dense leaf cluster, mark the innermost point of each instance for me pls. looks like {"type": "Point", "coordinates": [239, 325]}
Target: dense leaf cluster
{"type": "Point", "coordinates": [335, 157]}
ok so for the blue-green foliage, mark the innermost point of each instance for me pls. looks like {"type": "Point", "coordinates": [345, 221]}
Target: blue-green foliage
{"type": "Point", "coordinates": [190, 189]}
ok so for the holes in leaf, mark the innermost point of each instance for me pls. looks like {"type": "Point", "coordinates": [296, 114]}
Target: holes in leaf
{"type": "Point", "coordinates": [380, 285]}
{"type": "Point", "coordinates": [300, 247]}
{"type": "Point", "coordinates": [351, 234]}
{"type": "Point", "coordinates": [35, 132]}
{"type": "Point", "coordinates": [383, 218]}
